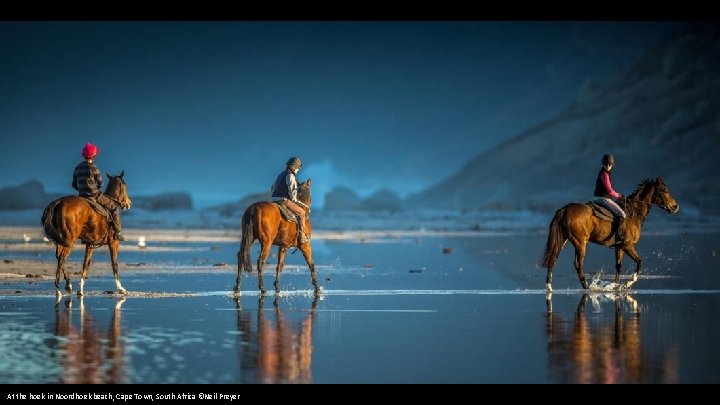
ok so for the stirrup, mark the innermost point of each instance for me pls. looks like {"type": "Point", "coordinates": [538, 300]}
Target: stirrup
{"type": "Point", "coordinates": [119, 236]}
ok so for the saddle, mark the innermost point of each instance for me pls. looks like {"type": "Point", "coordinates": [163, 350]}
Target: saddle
{"type": "Point", "coordinates": [97, 207]}
{"type": "Point", "coordinates": [285, 212]}
{"type": "Point", "coordinates": [601, 212]}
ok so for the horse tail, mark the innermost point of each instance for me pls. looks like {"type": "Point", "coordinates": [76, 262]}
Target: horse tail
{"type": "Point", "coordinates": [248, 237]}
{"type": "Point", "coordinates": [52, 223]}
{"type": "Point", "coordinates": [556, 238]}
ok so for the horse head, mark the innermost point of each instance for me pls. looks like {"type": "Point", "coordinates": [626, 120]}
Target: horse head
{"type": "Point", "coordinates": [663, 198]}
{"type": "Point", "coordinates": [304, 193]}
{"type": "Point", "coordinates": [117, 189]}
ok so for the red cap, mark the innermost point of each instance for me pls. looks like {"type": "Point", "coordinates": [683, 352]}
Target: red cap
{"type": "Point", "coordinates": [89, 151]}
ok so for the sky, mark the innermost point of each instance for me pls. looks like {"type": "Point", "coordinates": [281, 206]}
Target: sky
{"type": "Point", "coordinates": [216, 108]}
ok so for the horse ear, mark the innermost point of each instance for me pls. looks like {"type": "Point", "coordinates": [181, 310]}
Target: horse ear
{"type": "Point", "coordinates": [110, 176]}
{"type": "Point", "coordinates": [660, 180]}
{"type": "Point", "coordinates": [122, 173]}
{"type": "Point", "coordinates": [308, 182]}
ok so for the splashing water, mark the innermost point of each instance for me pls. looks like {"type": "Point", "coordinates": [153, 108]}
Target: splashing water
{"type": "Point", "coordinates": [600, 285]}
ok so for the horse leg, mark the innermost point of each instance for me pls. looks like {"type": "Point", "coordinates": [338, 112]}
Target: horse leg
{"type": "Point", "coordinates": [618, 263]}
{"type": "Point", "coordinates": [238, 280]}
{"type": "Point", "coordinates": [86, 266]}
{"type": "Point", "coordinates": [630, 250]}
{"type": "Point", "coordinates": [114, 247]}
{"type": "Point", "coordinates": [579, 259]}
{"type": "Point", "coordinates": [61, 253]}
{"type": "Point", "coordinates": [548, 280]}
{"type": "Point", "coordinates": [264, 253]}
{"type": "Point", "coordinates": [307, 253]}
{"type": "Point", "coordinates": [279, 268]}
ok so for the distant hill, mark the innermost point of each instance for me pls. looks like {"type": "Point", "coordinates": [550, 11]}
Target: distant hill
{"type": "Point", "coordinates": [343, 198]}
{"type": "Point", "coordinates": [32, 194]}
{"type": "Point", "coordinates": [236, 209]}
{"type": "Point", "coordinates": [661, 117]}
{"type": "Point", "coordinates": [165, 201]}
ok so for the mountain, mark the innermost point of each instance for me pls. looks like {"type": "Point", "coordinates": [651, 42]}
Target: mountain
{"type": "Point", "coordinates": [661, 117]}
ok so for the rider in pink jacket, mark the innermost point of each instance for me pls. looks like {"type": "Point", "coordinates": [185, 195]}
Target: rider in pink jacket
{"type": "Point", "coordinates": [604, 193]}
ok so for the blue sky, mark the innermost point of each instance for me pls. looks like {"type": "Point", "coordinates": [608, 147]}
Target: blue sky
{"type": "Point", "coordinates": [216, 108]}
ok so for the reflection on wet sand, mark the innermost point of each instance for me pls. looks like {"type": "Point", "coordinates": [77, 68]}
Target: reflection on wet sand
{"type": "Point", "coordinates": [601, 351]}
{"type": "Point", "coordinates": [90, 354]}
{"type": "Point", "coordinates": [278, 350]}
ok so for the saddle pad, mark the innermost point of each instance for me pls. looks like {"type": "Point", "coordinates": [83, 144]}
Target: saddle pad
{"type": "Point", "coordinates": [97, 207]}
{"type": "Point", "coordinates": [600, 211]}
{"type": "Point", "coordinates": [285, 212]}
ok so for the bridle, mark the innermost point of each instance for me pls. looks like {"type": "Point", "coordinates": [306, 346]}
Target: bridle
{"type": "Point", "coordinates": [118, 203]}
{"type": "Point", "coordinates": [651, 203]}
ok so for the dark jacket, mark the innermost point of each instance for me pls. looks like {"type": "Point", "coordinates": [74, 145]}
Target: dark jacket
{"type": "Point", "coordinates": [280, 188]}
{"type": "Point", "coordinates": [87, 179]}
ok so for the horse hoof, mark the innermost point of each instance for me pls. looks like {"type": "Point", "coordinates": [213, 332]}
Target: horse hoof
{"type": "Point", "coordinates": [80, 293]}
{"type": "Point", "coordinates": [123, 291]}
{"type": "Point", "coordinates": [58, 295]}
{"type": "Point", "coordinates": [548, 287]}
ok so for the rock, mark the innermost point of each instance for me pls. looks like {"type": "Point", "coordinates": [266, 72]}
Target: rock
{"type": "Point", "coordinates": [164, 201]}
{"type": "Point", "coordinates": [27, 195]}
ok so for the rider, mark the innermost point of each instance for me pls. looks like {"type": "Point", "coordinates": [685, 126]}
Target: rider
{"type": "Point", "coordinates": [604, 192]}
{"type": "Point", "coordinates": [88, 182]}
{"type": "Point", "coordinates": [285, 190]}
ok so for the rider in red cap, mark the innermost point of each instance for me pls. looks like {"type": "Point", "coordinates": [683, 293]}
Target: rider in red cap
{"type": "Point", "coordinates": [88, 182]}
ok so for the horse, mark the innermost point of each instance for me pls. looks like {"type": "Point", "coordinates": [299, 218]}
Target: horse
{"type": "Point", "coordinates": [72, 217]}
{"type": "Point", "coordinates": [576, 222]}
{"type": "Point", "coordinates": [263, 221]}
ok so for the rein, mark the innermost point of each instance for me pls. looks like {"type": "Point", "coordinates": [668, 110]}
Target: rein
{"type": "Point", "coordinates": [118, 203]}
{"type": "Point", "coordinates": [303, 204]}
{"type": "Point", "coordinates": [632, 200]}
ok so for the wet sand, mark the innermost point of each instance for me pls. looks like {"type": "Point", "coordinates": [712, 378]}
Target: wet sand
{"type": "Point", "coordinates": [163, 241]}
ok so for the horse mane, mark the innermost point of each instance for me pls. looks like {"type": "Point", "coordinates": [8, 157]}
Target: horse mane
{"type": "Point", "coordinates": [304, 192]}
{"type": "Point", "coordinates": [641, 186]}
{"type": "Point", "coordinates": [631, 208]}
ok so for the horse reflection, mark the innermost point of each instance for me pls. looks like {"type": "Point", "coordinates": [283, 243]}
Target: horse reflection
{"type": "Point", "coordinates": [597, 351]}
{"type": "Point", "coordinates": [279, 350]}
{"type": "Point", "coordinates": [89, 355]}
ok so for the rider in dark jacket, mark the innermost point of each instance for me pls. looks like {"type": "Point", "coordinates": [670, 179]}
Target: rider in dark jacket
{"type": "Point", "coordinates": [88, 181]}
{"type": "Point", "coordinates": [285, 190]}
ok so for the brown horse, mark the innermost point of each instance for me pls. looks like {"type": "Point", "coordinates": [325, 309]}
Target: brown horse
{"type": "Point", "coordinates": [262, 221]}
{"type": "Point", "coordinates": [576, 222]}
{"type": "Point", "coordinates": [71, 217]}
